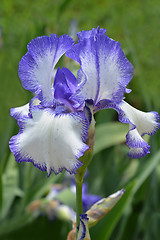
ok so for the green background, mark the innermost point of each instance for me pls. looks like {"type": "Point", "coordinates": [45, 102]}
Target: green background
{"type": "Point", "coordinates": [136, 24]}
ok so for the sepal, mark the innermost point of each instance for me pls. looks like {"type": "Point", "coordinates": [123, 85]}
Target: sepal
{"type": "Point", "coordinates": [51, 141]}
{"type": "Point", "coordinates": [102, 207]}
{"type": "Point", "coordinates": [19, 112]}
{"type": "Point", "coordinates": [140, 123]}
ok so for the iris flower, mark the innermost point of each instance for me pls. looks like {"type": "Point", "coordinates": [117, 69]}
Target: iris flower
{"type": "Point", "coordinates": [54, 126]}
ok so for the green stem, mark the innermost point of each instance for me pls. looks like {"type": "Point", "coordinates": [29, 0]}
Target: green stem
{"type": "Point", "coordinates": [86, 159]}
{"type": "Point", "coordinates": [79, 210]}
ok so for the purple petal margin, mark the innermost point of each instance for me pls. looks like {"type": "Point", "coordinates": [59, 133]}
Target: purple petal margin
{"type": "Point", "coordinates": [15, 142]}
{"type": "Point", "coordinates": [110, 72]}
{"type": "Point", "coordinates": [138, 148]}
{"type": "Point", "coordinates": [42, 51]}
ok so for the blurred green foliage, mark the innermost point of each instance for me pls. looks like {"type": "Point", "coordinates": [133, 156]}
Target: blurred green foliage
{"type": "Point", "coordinates": [136, 25]}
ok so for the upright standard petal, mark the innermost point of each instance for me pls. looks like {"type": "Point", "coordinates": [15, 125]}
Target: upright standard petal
{"type": "Point", "coordinates": [87, 34]}
{"type": "Point", "coordinates": [50, 141]}
{"type": "Point", "coordinates": [65, 85]}
{"type": "Point", "coordinates": [105, 71]}
{"type": "Point", "coordinates": [37, 65]}
{"type": "Point", "coordinates": [140, 123]}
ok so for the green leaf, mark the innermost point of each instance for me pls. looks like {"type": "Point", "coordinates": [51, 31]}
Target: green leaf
{"type": "Point", "coordinates": [109, 134]}
{"type": "Point", "coordinates": [43, 185]}
{"type": "Point", "coordinates": [15, 223]}
{"type": "Point", "coordinates": [37, 186]}
{"type": "Point", "coordinates": [146, 170]}
{"type": "Point", "coordinates": [1, 192]}
{"type": "Point", "coordinates": [105, 228]}
{"type": "Point", "coordinates": [10, 186]}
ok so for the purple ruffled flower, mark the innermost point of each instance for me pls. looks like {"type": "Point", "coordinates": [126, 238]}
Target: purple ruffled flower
{"type": "Point", "coordinates": [103, 76]}
{"type": "Point", "coordinates": [52, 132]}
{"type": "Point", "coordinates": [53, 126]}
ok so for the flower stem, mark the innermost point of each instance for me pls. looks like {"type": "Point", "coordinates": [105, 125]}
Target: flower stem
{"type": "Point", "coordinates": [79, 209]}
{"type": "Point", "coordinates": [86, 159]}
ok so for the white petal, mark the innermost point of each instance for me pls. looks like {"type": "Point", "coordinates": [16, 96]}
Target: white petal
{"type": "Point", "coordinates": [140, 123]}
{"type": "Point", "coordinates": [18, 112]}
{"type": "Point", "coordinates": [138, 152]}
{"type": "Point", "coordinates": [145, 122]}
{"type": "Point", "coordinates": [23, 111]}
{"type": "Point", "coordinates": [51, 142]}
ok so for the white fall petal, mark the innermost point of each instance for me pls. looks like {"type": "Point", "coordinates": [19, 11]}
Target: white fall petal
{"type": "Point", "coordinates": [140, 123]}
{"type": "Point", "coordinates": [18, 112]}
{"type": "Point", "coordinates": [145, 122]}
{"type": "Point", "coordinates": [51, 142]}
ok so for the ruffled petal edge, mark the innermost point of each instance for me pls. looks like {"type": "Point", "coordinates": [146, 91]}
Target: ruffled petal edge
{"type": "Point", "coordinates": [71, 131]}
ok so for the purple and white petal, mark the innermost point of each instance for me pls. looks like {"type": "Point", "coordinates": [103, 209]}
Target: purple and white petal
{"type": "Point", "coordinates": [145, 122]}
{"type": "Point", "coordinates": [20, 112]}
{"type": "Point", "coordinates": [24, 111]}
{"type": "Point", "coordinates": [105, 71]}
{"type": "Point", "coordinates": [50, 141]}
{"type": "Point", "coordinates": [36, 67]}
{"type": "Point", "coordinates": [140, 123]}
{"type": "Point", "coordinates": [87, 34]}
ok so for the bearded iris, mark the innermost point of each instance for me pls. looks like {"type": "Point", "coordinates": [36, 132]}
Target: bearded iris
{"type": "Point", "coordinates": [54, 126]}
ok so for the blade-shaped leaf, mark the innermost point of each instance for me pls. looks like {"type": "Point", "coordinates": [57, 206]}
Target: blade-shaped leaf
{"type": "Point", "coordinates": [10, 185]}
{"type": "Point", "coordinates": [104, 229]}
{"type": "Point", "coordinates": [109, 134]}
